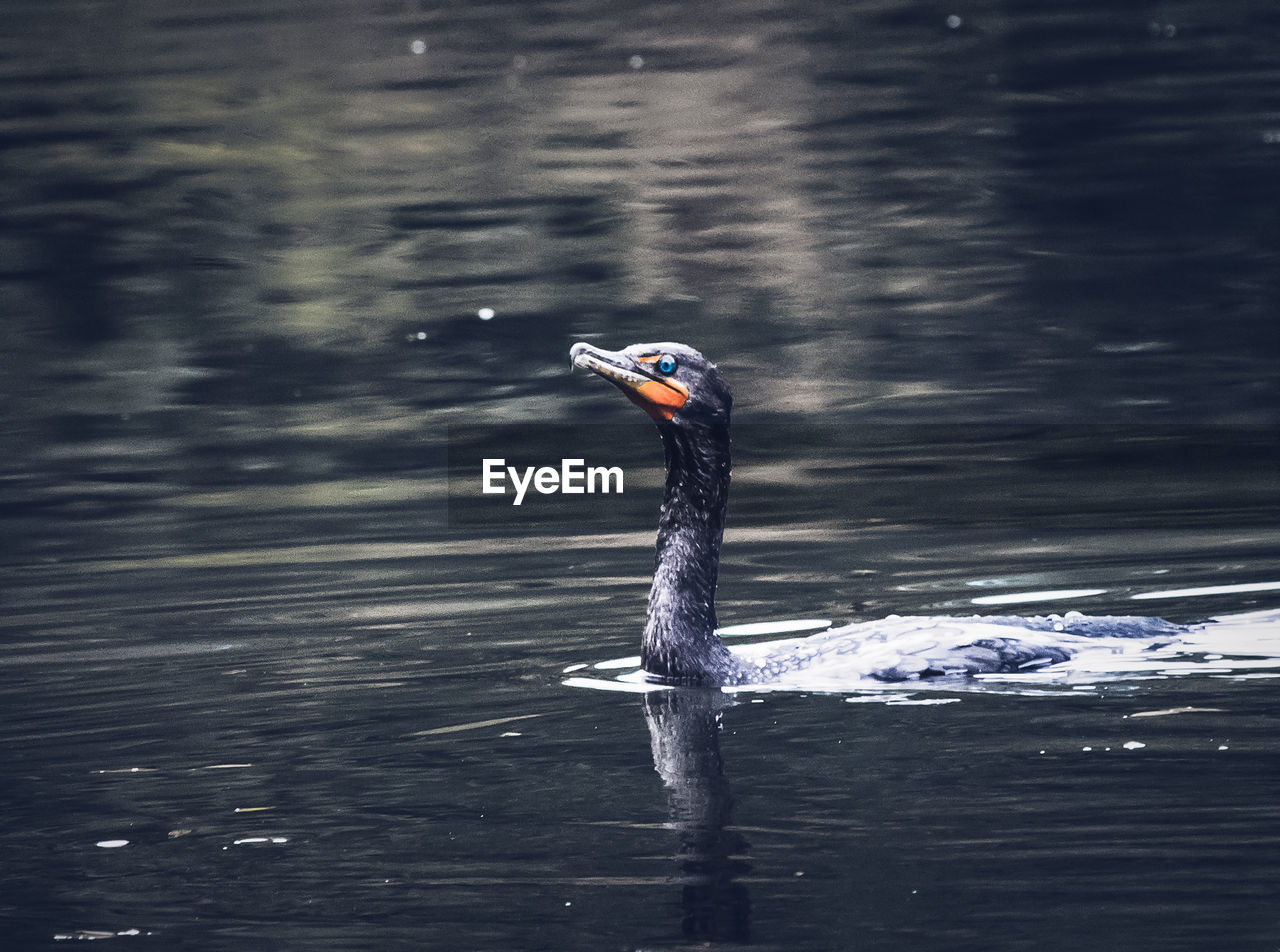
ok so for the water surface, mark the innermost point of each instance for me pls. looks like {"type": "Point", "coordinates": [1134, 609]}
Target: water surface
{"type": "Point", "coordinates": [994, 285]}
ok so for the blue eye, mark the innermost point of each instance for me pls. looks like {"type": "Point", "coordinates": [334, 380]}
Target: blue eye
{"type": "Point", "coordinates": [667, 364]}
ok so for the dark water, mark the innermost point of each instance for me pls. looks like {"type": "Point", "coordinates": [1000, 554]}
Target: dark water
{"type": "Point", "coordinates": [996, 289]}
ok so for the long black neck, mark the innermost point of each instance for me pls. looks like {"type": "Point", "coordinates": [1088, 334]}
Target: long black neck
{"type": "Point", "coordinates": [680, 644]}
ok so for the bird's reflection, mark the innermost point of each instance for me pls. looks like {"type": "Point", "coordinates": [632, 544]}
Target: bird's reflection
{"type": "Point", "coordinates": [684, 728]}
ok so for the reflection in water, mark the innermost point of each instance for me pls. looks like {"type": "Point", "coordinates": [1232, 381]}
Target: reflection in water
{"type": "Point", "coordinates": [684, 728]}
{"type": "Point", "coordinates": [1061, 213]}
{"type": "Point", "coordinates": [246, 251]}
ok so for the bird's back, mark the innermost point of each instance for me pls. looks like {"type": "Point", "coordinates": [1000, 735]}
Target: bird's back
{"type": "Point", "coordinates": [921, 647]}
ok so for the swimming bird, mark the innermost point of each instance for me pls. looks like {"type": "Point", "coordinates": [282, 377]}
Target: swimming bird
{"type": "Point", "coordinates": [691, 403]}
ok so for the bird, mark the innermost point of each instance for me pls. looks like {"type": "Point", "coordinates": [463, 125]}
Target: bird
{"type": "Point", "coordinates": [691, 403]}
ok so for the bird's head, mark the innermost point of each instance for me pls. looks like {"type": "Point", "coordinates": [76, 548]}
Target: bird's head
{"type": "Point", "coordinates": [671, 382]}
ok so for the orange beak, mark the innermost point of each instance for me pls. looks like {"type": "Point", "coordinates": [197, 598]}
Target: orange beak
{"type": "Point", "coordinates": [660, 397]}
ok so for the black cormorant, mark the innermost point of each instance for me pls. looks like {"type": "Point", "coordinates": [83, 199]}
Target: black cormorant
{"type": "Point", "coordinates": [691, 403]}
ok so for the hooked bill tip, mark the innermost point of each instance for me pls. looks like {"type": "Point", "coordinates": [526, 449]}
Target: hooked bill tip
{"type": "Point", "coordinates": [576, 353]}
